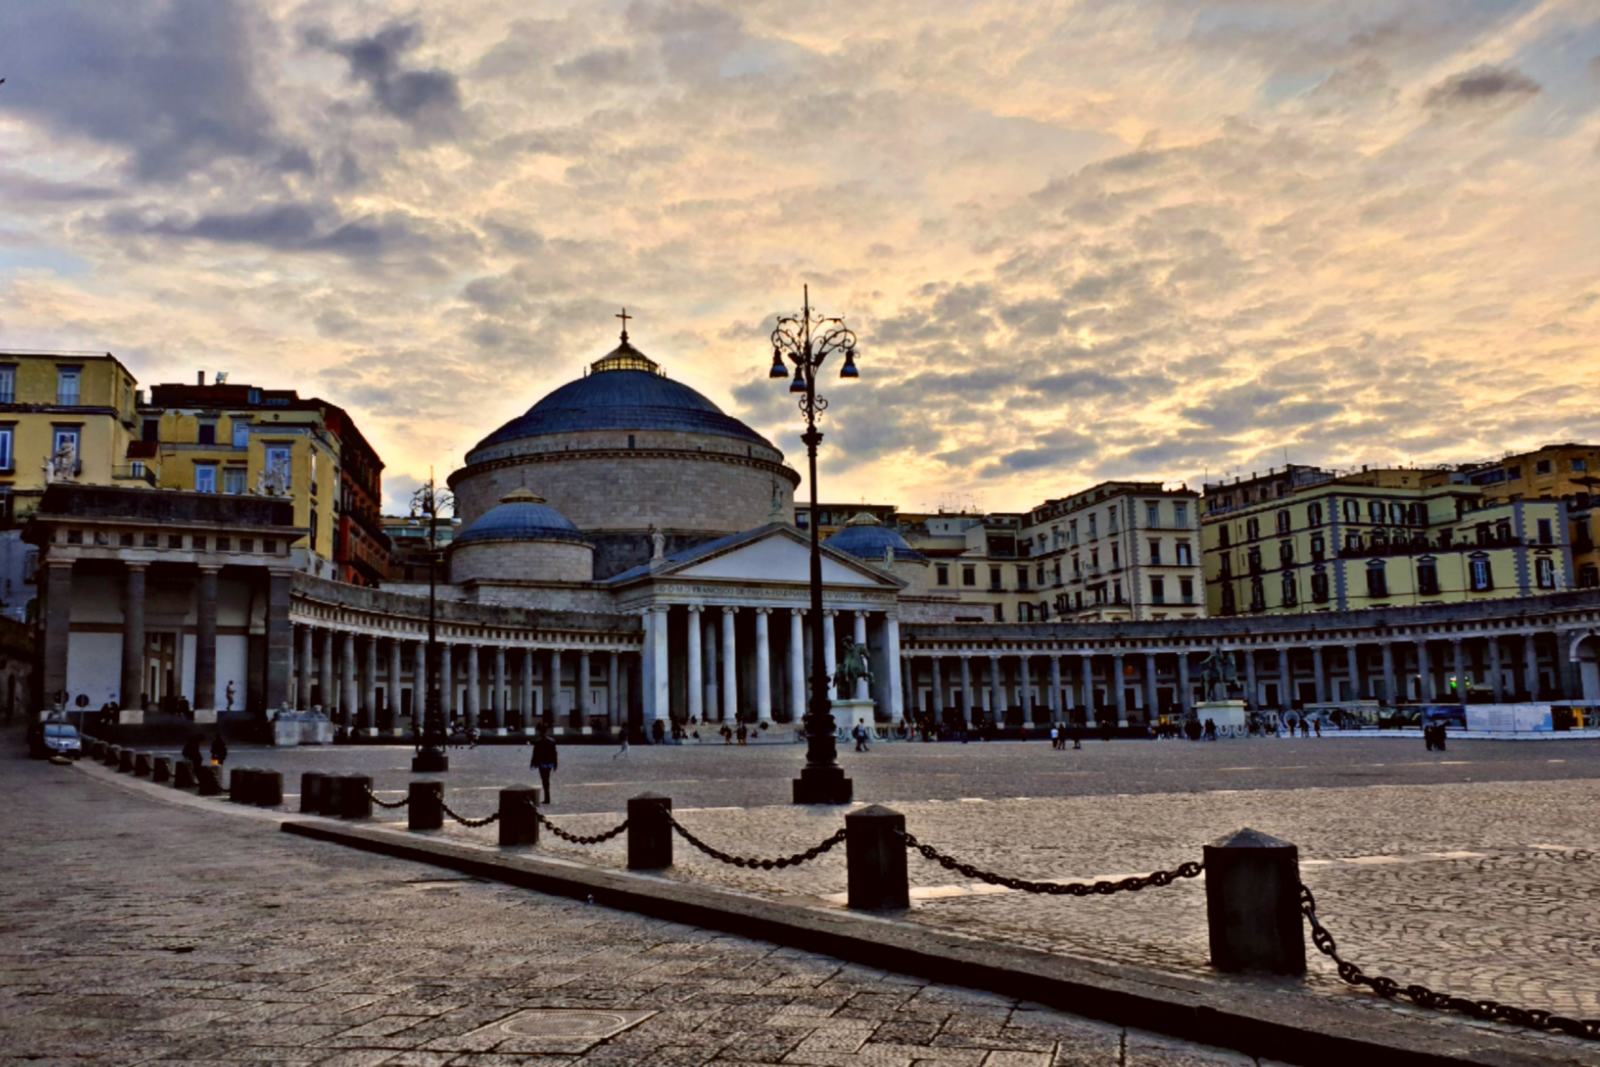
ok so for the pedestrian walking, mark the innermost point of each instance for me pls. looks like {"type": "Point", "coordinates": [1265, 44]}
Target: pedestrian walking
{"type": "Point", "coordinates": [860, 734]}
{"type": "Point", "coordinates": [191, 751]}
{"type": "Point", "coordinates": [1055, 736]}
{"type": "Point", "coordinates": [623, 751]}
{"type": "Point", "coordinates": [219, 750]}
{"type": "Point", "coordinates": [742, 733]}
{"type": "Point", "coordinates": [544, 758]}
{"type": "Point", "coordinates": [1317, 725]}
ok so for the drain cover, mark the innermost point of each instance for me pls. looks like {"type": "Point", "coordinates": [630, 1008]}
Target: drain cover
{"type": "Point", "coordinates": [564, 1029]}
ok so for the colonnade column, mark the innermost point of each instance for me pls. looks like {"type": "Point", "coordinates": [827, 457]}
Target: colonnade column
{"type": "Point", "coordinates": [1495, 668]}
{"type": "Point", "coordinates": [763, 668]}
{"type": "Point", "coordinates": [1424, 672]}
{"type": "Point", "coordinates": [1055, 689]}
{"type": "Point", "coordinates": [1352, 666]}
{"type": "Point", "coordinates": [660, 678]}
{"type": "Point", "coordinates": [1319, 674]}
{"type": "Point", "coordinates": [730, 667]}
{"type": "Point", "coordinates": [1460, 667]}
{"type": "Point", "coordinates": [1026, 684]}
{"type": "Point", "coordinates": [695, 694]}
{"type": "Point", "coordinates": [474, 708]}
{"type": "Point", "coordinates": [797, 665]}
{"type": "Point", "coordinates": [1152, 700]}
{"type": "Point", "coordinates": [525, 690]}
{"type": "Point", "coordinates": [580, 692]}
{"type": "Point", "coordinates": [1185, 690]}
{"type": "Point", "coordinates": [936, 683]}
{"type": "Point", "coordinates": [497, 701]}
{"type": "Point", "coordinates": [830, 653]}
{"type": "Point", "coordinates": [891, 656]}
{"type": "Point", "coordinates": [205, 639]}
{"type": "Point", "coordinates": [56, 584]}
{"type": "Point", "coordinates": [132, 636]}
{"type": "Point", "coordinates": [419, 683]}
{"type": "Point", "coordinates": [1286, 694]}
{"type": "Point", "coordinates": [1252, 690]}
{"type": "Point", "coordinates": [552, 684]}
{"type": "Point", "coordinates": [613, 690]}
{"type": "Point", "coordinates": [369, 686]}
{"type": "Point", "coordinates": [347, 681]}
{"type": "Point", "coordinates": [1088, 688]}
{"type": "Point", "coordinates": [997, 692]}
{"type": "Point", "coordinates": [447, 684]}
{"type": "Point", "coordinates": [1389, 693]}
{"type": "Point", "coordinates": [391, 691]}
{"type": "Point", "coordinates": [306, 670]}
{"type": "Point", "coordinates": [966, 688]}
{"type": "Point", "coordinates": [859, 636]}
{"type": "Point", "coordinates": [713, 689]}
{"type": "Point", "coordinates": [1530, 665]}
{"type": "Point", "coordinates": [1119, 692]}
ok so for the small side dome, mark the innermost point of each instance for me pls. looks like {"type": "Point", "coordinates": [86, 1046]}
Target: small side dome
{"type": "Point", "coordinates": [521, 515]}
{"type": "Point", "coordinates": [864, 537]}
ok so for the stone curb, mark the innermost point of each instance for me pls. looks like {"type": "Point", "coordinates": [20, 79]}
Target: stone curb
{"type": "Point", "coordinates": [1243, 1014]}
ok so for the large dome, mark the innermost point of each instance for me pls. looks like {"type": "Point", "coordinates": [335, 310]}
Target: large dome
{"type": "Point", "coordinates": [520, 516]}
{"type": "Point", "coordinates": [864, 537]}
{"type": "Point", "coordinates": [624, 390]}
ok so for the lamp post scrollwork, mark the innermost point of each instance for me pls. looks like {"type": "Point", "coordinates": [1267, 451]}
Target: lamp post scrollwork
{"type": "Point", "coordinates": [426, 504]}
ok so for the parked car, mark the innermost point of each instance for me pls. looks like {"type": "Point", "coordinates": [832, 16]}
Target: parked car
{"type": "Point", "coordinates": [55, 739]}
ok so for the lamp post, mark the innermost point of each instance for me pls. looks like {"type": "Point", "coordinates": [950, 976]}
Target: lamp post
{"type": "Point", "coordinates": [807, 340]}
{"type": "Point", "coordinates": [430, 758]}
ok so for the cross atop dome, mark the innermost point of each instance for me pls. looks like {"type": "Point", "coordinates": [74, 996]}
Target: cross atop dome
{"type": "Point", "coordinates": [624, 356]}
{"type": "Point", "coordinates": [624, 317]}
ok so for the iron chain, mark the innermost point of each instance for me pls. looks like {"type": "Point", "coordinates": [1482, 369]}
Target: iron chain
{"type": "Point", "coordinates": [1424, 997]}
{"type": "Point", "coordinates": [471, 824]}
{"type": "Point", "coordinates": [1070, 889]}
{"type": "Point", "coordinates": [576, 839]}
{"type": "Point", "coordinates": [751, 862]}
{"type": "Point", "coordinates": [386, 803]}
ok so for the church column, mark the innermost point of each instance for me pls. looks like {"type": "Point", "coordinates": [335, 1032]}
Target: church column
{"type": "Point", "coordinates": [205, 639]}
{"type": "Point", "coordinates": [1319, 674]}
{"type": "Point", "coordinates": [613, 690]}
{"type": "Point", "coordinates": [1390, 694]}
{"type": "Point", "coordinates": [1055, 689]}
{"type": "Point", "coordinates": [133, 637]}
{"type": "Point", "coordinates": [695, 690]}
{"type": "Point", "coordinates": [1252, 692]}
{"type": "Point", "coordinates": [1152, 700]}
{"type": "Point", "coordinates": [997, 692]}
{"type": "Point", "coordinates": [1286, 694]}
{"type": "Point", "coordinates": [1495, 680]}
{"type": "Point", "coordinates": [497, 702]}
{"type": "Point", "coordinates": [763, 668]}
{"type": "Point", "coordinates": [419, 683]}
{"type": "Point", "coordinates": [660, 670]}
{"type": "Point", "coordinates": [1025, 681]}
{"type": "Point", "coordinates": [1424, 672]}
{"type": "Point", "coordinates": [1185, 690]}
{"type": "Point", "coordinates": [830, 653]}
{"type": "Point", "coordinates": [966, 687]}
{"type": "Point", "coordinates": [710, 670]}
{"type": "Point", "coordinates": [1088, 687]}
{"type": "Point", "coordinates": [860, 638]}
{"type": "Point", "coordinates": [891, 656]}
{"type": "Point", "coordinates": [552, 684]}
{"type": "Point", "coordinates": [307, 670]}
{"type": "Point", "coordinates": [325, 671]}
{"type": "Point", "coordinates": [369, 686]}
{"type": "Point", "coordinates": [280, 639]}
{"type": "Point", "coordinates": [797, 665]}
{"type": "Point", "coordinates": [730, 666]}
{"type": "Point", "coordinates": [580, 692]}
{"type": "Point", "coordinates": [474, 709]}
{"type": "Point", "coordinates": [447, 684]}
{"type": "Point", "coordinates": [1530, 665]}
{"type": "Point", "coordinates": [936, 683]}
{"type": "Point", "coordinates": [348, 701]}
{"type": "Point", "coordinates": [1460, 668]}
{"type": "Point", "coordinates": [1352, 666]}
{"type": "Point", "coordinates": [1119, 692]}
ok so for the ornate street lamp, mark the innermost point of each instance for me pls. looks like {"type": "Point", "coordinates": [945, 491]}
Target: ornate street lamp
{"type": "Point", "coordinates": [430, 758]}
{"type": "Point", "coordinates": [807, 341]}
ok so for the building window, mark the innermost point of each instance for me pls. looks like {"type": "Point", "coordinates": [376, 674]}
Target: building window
{"type": "Point", "coordinates": [994, 579]}
{"type": "Point", "coordinates": [1225, 564]}
{"type": "Point", "coordinates": [1158, 591]}
{"type": "Point", "coordinates": [150, 430]}
{"type": "Point", "coordinates": [208, 433]}
{"type": "Point", "coordinates": [5, 447]}
{"type": "Point", "coordinates": [1228, 605]}
{"type": "Point", "coordinates": [67, 382]}
{"type": "Point", "coordinates": [1152, 514]}
{"type": "Point", "coordinates": [313, 529]}
{"type": "Point", "coordinates": [8, 385]}
{"type": "Point", "coordinates": [1545, 534]}
{"type": "Point", "coordinates": [1285, 553]}
{"type": "Point", "coordinates": [1116, 556]}
{"type": "Point", "coordinates": [1319, 586]}
{"type": "Point", "coordinates": [1223, 540]}
{"type": "Point", "coordinates": [1377, 578]}
{"type": "Point", "coordinates": [1313, 514]}
{"type": "Point", "coordinates": [1093, 531]}
{"type": "Point", "coordinates": [1185, 556]}
{"type": "Point", "coordinates": [1375, 510]}
{"type": "Point", "coordinates": [1352, 541]}
{"type": "Point", "coordinates": [1578, 465]}
{"type": "Point", "coordinates": [1022, 578]}
{"type": "Point", "coordinates": [241, 433]}
{"type": "Point", "coordinates": [1290, 590]}
{"type": "Point", "coordinates": [1427, 576]}
{"type": "Point", "coordinates": [1542, 467]}
{"type": "Point", "coordinates": [278, 466]}
{"type": "Point", "coordinates": [1502, 531]}
{"type": "Point", "coordinates": [1186, 589]}
{"type": "Point", "coordinates": [205, 477]}
{"type": "Point", "coordinates": [1544, 572]}
{"type": "Point", "coordinates": [1255, 561]}
{"type": "Point", "coordinates": [1318, 546]}
{"type": "Point", "coordinates": [1283, 520]}
{"type": "Point", "coordinates": [233, 480]}
{"type": "Point", "coordinates": [1258, 595]}
{"type": "Point", "coordinates": [1155, 551]}
{"type": "Point", "coordinates": [969, 575]}
{"type": "Point", "coordinates": [1252, 529]}
{"type": "Point", "coordinates": [68, 438]}
{"type": "Point", "coordinates": [1482, 575]}
{"type": "Point", "coordinates": [1352, 511]}
{"type": "Point", "coordinates": [1180, 514]}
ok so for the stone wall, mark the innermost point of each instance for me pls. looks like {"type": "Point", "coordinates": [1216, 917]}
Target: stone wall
{"type": "Point", "coordinates": [553, 561]}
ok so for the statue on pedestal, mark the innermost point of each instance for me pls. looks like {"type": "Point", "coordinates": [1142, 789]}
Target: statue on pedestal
{"type": "Point", "coordinates": [1218, 675]}
{"type": "Point", "coordinates": [854, 666]}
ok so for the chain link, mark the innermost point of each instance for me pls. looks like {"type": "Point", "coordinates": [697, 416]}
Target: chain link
{"type": "Point", "coordinates": [471, 824]}
{"type": "Point", "coordinates": [386, 803]}
{"type": "Point", "coordinates": [1424, 997]}
{"type": "Point", "coordinates": [760, 864]}
{"type": "Point", "coordinates": [1070, 889]}
{"type": "Point", "coordinates": [576, 839]}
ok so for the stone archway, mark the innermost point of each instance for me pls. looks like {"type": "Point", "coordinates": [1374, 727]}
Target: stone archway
{"type": "Point", "coordinates": [1585, 652]}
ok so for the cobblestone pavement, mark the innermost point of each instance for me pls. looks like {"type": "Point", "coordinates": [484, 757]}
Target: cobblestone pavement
{"type": "Point", "coordinates": [133, 930]}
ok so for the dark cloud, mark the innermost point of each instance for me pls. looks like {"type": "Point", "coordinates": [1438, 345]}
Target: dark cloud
{"type": "Point", "coordinates": [284, 227]}
{"type": "Point", "coordinates": [604, 65]}
{"type": "Point", "coordinates": [22, 188]}
{"type": "Point", "coordinates": [1482, 86]}
{"type": "Point", "coordinates": [174, 83]}
{"type": "Point", "coordinates": [428, 99]}
{"type": "Point", "coordinates": [1082, 383]}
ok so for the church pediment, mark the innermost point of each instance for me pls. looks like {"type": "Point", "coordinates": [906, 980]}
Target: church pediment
{"type": "Point", "coordinates": [775, 554]}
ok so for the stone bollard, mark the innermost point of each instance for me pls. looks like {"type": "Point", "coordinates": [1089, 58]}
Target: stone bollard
{"type": "Point", "coordinates": [109, 755]}
{"type": "Point", "coordinates": [97, 749]}
{"type": "Point", "coordinates": [313, 792]}
{"type": "Point", "coordinates": [425, 807]}
{"type": "Point", "coordinates": [1253, 904]}
{"type": "Point", "coordinates": [208, 778]}
{"type": "Point", "coordinates": [519, 823]}
{"type": "Point", "coordinates": [161, 769]}
{"type": "Point", "coordinates": [141, 764]}
{"type": "Point", "coordinates": [355, 796]}
{"type": "Point", "coordinates": [125, 760]}
{"type": "Point", "coordinates": [183, 775]}
{"type": "Point", "coordinates": [875, 858]}
{"type": "Point", "coordinates": [268, 791]}
{"type": "Point", "coordinates": [332, 795]}
{"type": "Point", "coordinates": [240, 784]}
{"type": "Point", "coordinates": [649, 832]}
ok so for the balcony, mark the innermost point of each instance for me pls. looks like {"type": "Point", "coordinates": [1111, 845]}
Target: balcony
{"type": "Point", "coordinates": [133, 472]}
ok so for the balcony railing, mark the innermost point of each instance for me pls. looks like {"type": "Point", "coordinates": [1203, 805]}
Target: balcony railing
{"type": "Point", "coordinates": [134, 472]}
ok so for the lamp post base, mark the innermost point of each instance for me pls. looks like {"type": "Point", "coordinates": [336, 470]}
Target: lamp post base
{"type": "Point", "coordinates": [429, 761]}
{"type": "Point", "coordinates": [822, 785]}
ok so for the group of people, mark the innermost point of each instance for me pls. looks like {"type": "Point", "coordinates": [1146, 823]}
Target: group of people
{"type": "Point", "coordinates": [191, 750]}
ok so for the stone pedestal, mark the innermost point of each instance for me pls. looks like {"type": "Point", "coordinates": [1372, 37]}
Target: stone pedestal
{"type": "Point", "coordinates": [1222, 712]}
{"type": "Point", "coordinates": [135, 717]}
{"type": "Point", "coordinates": [200, 715]}
{"type": "Point", "coordinates": [285, 733]}
{"type": "Point", "coordinates": [848, 714]}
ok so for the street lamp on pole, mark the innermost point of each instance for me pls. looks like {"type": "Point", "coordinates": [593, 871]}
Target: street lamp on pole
{"type": "Point", "coordinates": [430, 758]}
{"type": "Point", "coordinates": [806, 341]}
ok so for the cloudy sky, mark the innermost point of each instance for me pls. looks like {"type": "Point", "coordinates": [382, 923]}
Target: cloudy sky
{"type": "Point", "coordinates": [1078, 240]}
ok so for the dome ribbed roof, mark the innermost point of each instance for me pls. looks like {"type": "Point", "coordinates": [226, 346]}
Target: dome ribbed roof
{"type": "Point", "coordinates": [865, 538]}
{"type": "Point", "coordinates": [520, 516]}
{"type": "Point", "coordinates": [624, 390]}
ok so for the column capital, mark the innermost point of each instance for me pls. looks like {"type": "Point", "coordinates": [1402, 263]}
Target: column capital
{"type": "Point", "coordinates": [136, 564]}
{"type": "Point", "coordinates": [203, 568]}
{"type": "Point", "coordinates": [730, 609]}
{"type": "Point", "coordinates": [797, 611]}
{"type": "Point", "coordinates": [763, 611]}
{"type": "Point", "coordinates": [694, 609]}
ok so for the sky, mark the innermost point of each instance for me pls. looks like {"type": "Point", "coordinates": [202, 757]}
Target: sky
{"type": "Point", "coordinates": [1077, 239]}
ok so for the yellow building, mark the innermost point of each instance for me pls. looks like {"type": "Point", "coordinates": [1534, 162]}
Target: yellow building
{"type": "Point", "coordinates": [1306, 540]}
{"type": "Point", "coordinates": [1566, 472]}
{"type": "Point", "coordinates": [240, 439]}
{"type": "Point", "coordinates": [63, 415]}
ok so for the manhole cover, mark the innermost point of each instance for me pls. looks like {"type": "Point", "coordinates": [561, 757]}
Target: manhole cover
{"type": "Point", "coordinates": [572, 1028]}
